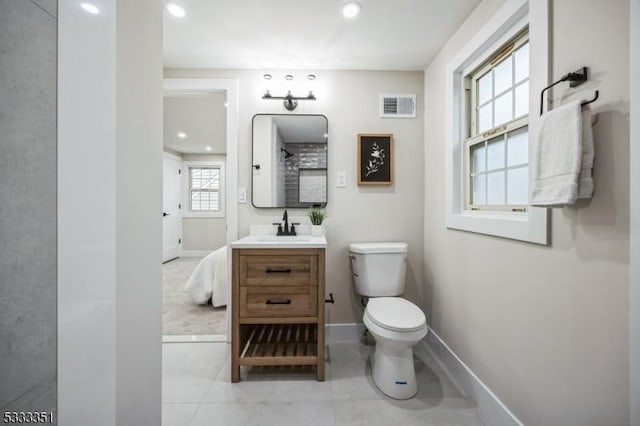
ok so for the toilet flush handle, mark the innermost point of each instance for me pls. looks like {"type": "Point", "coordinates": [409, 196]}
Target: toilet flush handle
{"type": "Point", "coordinates": [353, 259]}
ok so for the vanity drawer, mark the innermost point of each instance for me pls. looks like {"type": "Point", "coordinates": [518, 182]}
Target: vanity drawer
{"type": "Point", "coordinates": [279, 270]}
{"type": "Point", "coordinates": [278, 301]}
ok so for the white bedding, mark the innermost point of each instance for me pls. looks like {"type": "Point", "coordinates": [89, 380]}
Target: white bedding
{"type": "Point", "coordinates": [209, 279]}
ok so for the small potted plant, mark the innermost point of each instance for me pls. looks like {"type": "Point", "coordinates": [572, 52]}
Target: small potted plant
{"type": "Point", "coordinates": [317, 216]}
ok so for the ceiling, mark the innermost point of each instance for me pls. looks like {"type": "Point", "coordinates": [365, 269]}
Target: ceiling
{"type": "Point", "coordinates": [202, 120]}
{"type": "Point", "coordinates": [310, 34]}
{"type": "Point", "coordinates": [302, 128]}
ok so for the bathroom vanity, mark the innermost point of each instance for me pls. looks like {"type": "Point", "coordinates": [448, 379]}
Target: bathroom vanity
{"type": "Point", "coordinates": [278, 286]}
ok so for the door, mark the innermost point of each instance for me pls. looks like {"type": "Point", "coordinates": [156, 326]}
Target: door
{"type": "Point", "coordinates": [171, 209]}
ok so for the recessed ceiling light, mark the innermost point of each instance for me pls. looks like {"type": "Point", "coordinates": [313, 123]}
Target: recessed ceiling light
{"type": "Point", "coordinates": [90, 8]}
{"type": "Point", "coordinates": [226, 105]}
{"type": "Point", "coordinates": [181, 135]}
{"type": "Point", "coordinates": [207, 148]}
{"type": "Point", "coordinates": [351, 9]}
{"type": "Point", "coordinates": [176, 10]}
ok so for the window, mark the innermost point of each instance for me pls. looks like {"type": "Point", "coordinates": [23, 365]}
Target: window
{"type": "Point", "coordinates": [497, 149]}
{"type": "Point", "coordinates": [487, 125]}
{"type": "Point", "coordinates": [204, 188]}
{"type": "Point", "coordinates": [203, 183]}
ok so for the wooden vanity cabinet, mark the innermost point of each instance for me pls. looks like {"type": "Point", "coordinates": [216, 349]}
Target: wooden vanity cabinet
{"type": "Point", "coordinates": [278, 308]}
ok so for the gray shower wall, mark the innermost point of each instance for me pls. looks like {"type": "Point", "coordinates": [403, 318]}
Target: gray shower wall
{"type": "Point", "coordinates": [305, 156]}
{"type": "Point", "coordinates": [28, 292]}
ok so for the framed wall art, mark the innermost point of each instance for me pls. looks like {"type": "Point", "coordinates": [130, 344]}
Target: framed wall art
{"type": "Point", "coordinates": [375, 159]}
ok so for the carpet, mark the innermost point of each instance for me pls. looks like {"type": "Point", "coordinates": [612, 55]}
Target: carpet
{"type": "Point", "coordinates": [180, 316]}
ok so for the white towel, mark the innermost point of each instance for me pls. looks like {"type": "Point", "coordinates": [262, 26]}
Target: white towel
{"type": "Point", "coordinates": [585, 180]}
{"type": "Point", "coordinates": [558, 157]}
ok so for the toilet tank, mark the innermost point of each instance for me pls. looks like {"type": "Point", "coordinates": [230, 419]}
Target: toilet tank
{"type": "Point", "coordinates": [378, 268]}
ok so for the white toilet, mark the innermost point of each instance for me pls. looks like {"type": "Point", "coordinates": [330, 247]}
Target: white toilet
{"type": "Point", "coordinates": [396, 324]}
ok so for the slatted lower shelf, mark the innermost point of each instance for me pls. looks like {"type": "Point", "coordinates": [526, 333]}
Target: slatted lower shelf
{"type": "Point", "coordinates": [279, 344]}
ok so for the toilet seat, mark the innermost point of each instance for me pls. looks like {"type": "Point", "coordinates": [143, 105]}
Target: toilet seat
{"type": "Point", "coordinates": [395, 314]}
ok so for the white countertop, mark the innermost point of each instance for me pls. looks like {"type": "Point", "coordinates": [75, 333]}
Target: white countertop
{"type": "Point", "coordinates": [285, 242]}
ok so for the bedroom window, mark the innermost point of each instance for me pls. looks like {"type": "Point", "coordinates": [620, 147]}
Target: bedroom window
{"type": "Point", "coordinates": [497, 147]}
{"type": "Point", "coordinates": [204, 189]}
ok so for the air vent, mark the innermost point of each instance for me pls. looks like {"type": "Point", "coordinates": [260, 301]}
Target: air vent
{"type": "Point", "coordinates": [397, 106]}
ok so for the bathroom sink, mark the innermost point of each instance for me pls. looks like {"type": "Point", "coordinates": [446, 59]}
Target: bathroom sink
{"type": "Point", "coordinates": [283, 238]}
{"type": "Point", "coordinates": [283, 242]}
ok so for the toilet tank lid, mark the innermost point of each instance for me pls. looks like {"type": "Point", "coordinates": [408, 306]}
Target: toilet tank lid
{"type": "Point", "coordinates": [365, 248]}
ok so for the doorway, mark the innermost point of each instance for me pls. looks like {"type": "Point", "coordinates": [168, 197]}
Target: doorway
{"type": "Point", "coordinates": [200, 143]}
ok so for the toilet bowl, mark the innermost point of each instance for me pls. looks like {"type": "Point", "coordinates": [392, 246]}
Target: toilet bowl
{"type": "Point", "coordinates": [397, 325]}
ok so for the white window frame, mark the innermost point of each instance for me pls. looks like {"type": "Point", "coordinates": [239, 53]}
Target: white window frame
{"type": "Point", "coordinates": [474, 137]}
{"type": "Point", "coordinates": [186, 184]}
{"type": "Point", "coordinates": [510, 20]}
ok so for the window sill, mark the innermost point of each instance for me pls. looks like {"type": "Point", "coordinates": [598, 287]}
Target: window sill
{"type": "Point", "coordinates": [496, 215]}
{"type": "Point", "coordinates": [193, 215]}
{"type": "Point", "coordinates": [530, 226]}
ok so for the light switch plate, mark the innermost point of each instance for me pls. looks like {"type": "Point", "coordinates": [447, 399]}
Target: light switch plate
{"type": "Point", "coordinates": [242, 195]}
{"type": "Point", "coordinates": [341, 180]}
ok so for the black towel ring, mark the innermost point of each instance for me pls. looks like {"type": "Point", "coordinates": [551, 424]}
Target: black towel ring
{"type": "Point", "coordinates": [575, 78]}
{"type": "Point", "coordinates": [595, 98]}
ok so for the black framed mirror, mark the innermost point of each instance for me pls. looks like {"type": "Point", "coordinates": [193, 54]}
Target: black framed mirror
{"type": "Point", "coordinates": [289, 159]}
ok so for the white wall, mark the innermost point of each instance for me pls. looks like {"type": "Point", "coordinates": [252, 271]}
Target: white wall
{"type": "Point", "coordinates": [546, 328]}
{"type": "Point", "coordinates": [349, 99]}
{"type": "Point", "coordinates": [109, 275]}
{"type": "Point", "coordinates": [139, 229]}
{"type": "Point", "coordinates": [278, 193]}
{"type": "Point", "coordinates": [86, 242]}
{"type": "Point", "coordinates": [262, 152]}
{"type": "Point", "coordinates": [203, 233]}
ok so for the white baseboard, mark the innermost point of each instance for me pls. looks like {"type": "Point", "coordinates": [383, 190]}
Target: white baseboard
{"type": "Point", "coordinates": [343, 332]}
{"type": "Point", "coordinates": [492, 411]}
{"type": "Point", "coordinates": [195, 253]}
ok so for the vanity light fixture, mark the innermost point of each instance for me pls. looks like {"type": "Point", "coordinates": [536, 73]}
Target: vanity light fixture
{"type": "Point", "coordinates": [311, 77]}
{"type": "Point", "coordinates": [176, 10]}
{"type": "Point", "coordinates": [351, 9]}
{"type": "Point", "coordinates": [90, 8]}
{"type": "Point", "coordinates": [290, 102]}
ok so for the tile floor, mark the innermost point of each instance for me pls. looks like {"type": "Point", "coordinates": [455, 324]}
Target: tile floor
{"type": "Point", "coordinates": [197, 392]}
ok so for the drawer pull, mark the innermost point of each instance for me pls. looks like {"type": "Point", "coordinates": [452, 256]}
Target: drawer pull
{"type": "Point", "coordinates": [278, 270]}
{"type": "Point", "coordinates": [278, 302]}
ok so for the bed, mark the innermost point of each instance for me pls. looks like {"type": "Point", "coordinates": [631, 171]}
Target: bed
{"type": "Point", "coordinates": [209, 280]}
